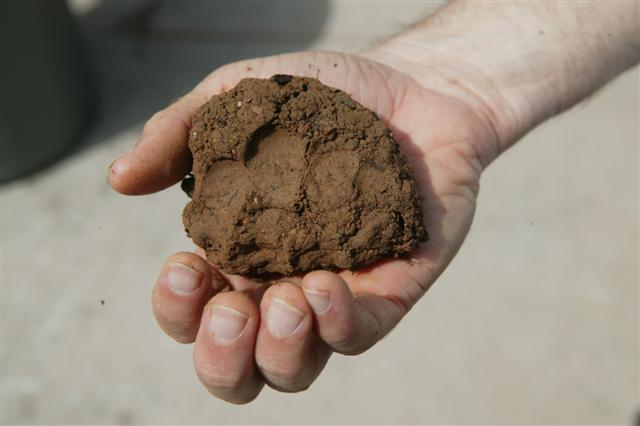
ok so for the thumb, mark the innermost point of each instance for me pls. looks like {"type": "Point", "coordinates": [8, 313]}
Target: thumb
{"type": "Point", "coordinates": [161, 156]}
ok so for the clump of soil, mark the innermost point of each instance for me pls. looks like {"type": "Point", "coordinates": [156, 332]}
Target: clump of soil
{"type": "Point", "coordinates": [290, 175]}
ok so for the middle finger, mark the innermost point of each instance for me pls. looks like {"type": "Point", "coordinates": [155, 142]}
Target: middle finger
{"type": "Point", "coordinates": [288, 353]}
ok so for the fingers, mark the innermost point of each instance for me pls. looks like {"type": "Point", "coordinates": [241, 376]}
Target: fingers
{"type": "Point", "coordinates": [185, 284]}
{"type": "Point", "coordinates": [161, 157]}
{"type": "Point", "coordinates": [224, 350]}
{"type": "Point", "coordinates": [346, 324]}
{"type": "Point", "coordinates": [288, 354]}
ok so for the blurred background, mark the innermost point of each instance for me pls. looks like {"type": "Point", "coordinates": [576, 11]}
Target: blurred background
{"type": "Point", "coordinates": [536, 321]}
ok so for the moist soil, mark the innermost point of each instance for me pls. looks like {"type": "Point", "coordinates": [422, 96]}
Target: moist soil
{"type": "Point", "coordinates": [290, 175]}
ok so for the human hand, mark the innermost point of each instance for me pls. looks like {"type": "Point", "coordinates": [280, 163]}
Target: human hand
{"type": "Point", "coordinates": [283, 334]}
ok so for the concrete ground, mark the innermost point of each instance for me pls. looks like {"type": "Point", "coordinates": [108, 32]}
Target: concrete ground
{"type": "Point", "coordinates": [536, 320]}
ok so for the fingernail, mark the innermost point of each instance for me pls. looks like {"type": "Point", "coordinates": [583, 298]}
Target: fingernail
{"type": "Point", "coordinates": [283, 320]}
{"type": "Point", "coordinates": [182, 279]}
{"type": "Point", "coordinates": [320, 301]}
{"type": "Point", "coordinates": [226, 324]}
{"type": "Point", "coordinates": [115, 160]}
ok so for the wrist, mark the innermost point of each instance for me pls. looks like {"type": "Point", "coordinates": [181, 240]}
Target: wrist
{"type": "Point", "coordinates": [516, 65]}
{"type": "Point", "coordinates": [436, 70]}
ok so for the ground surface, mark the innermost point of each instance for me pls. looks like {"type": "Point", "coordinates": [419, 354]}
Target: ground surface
{"type": "Point", "coordinates": [536, 320]}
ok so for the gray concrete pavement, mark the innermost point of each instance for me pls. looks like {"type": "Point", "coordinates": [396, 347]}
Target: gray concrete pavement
{"type": "Point", "coordinates": [536, 320]}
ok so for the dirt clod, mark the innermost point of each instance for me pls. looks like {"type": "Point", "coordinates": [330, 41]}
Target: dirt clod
{"type": "Point", "coordinates": [290, 175]}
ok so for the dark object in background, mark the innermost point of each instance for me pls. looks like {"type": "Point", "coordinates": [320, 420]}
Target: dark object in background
{"type": "Point", "coordinates": [47, 95]}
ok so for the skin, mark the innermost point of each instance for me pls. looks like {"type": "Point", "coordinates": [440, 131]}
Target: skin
{"type": "Point", "coordinates": [451, 118]}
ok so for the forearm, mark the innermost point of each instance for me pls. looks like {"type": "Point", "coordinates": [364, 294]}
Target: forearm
{"type": "Point", "coordinates": [518, 64]}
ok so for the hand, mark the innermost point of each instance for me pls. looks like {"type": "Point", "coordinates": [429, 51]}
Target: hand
{"type": "Point", "coordinates": [283, 334]}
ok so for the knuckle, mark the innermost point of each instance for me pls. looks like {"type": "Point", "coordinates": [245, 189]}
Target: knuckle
{"type": "Point", "coordinates": [275, 366]}
{"type": "Point", "coordinates": [218, 378]}
{"type": "Point", "coordinates": [183, 337]}
{"type": "Point", "coordinates": [284, 376]}
{"type": "Point", "coordinates": [177, 320]}
{"type": "Point", "coordinates": [346, 338]}
{"type": "Point", "coordinates": [181, 332]}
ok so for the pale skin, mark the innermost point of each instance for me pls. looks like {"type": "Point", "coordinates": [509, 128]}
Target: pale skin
{"type": "Point", "coordinates": [457, 90]}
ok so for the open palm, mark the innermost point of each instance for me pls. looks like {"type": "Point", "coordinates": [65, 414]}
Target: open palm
{"type": "Point", "coordinates": [248, 334]}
